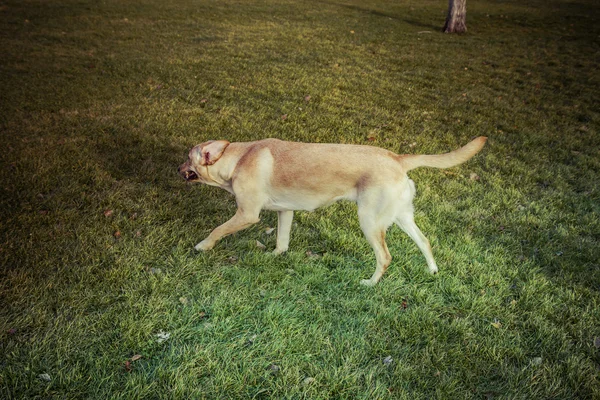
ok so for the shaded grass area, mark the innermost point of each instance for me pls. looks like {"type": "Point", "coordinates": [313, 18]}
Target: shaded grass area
{"type": "Point", "coordinates": [100, 102]}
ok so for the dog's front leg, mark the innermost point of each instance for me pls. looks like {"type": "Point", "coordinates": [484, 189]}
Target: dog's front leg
{"type": "Point", "coordinates": [241, 220]}
{"type": "Point", "coordinates": [284, 225]}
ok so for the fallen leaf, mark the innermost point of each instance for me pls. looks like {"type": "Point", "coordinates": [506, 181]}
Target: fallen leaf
{"type": "Point", "coordinates": [274, 368]}
{"type": "Point", "coordinates": [388, 360]}
{"type": "Point", "coordinates": [184, 300]}
{"type": "Point", "coordinates": [45, 377]}
{"type": "Point", "coordinates": [232, 259]}
{"type": "Point", "coordinates": [260, 245]}
{"type": "Point", "coordinates": [312, 255]}
{"type": "Point", "coordinates": [513, 302]}
{"type": "Point", "coordinates": [162, 336]}
{"type": "Point", "coordinates": [308, 381]}
{"type": "Point", "coordinates": [404, 305]}
{"type": "Point", "coordinates": [136, 357]}
{"type": "Point", "coordinates": [497, 324]}
{"type": "Point", "coordinates": [437, 373]}
{"type": "Point", "coordinates": [307, 98]}
{"type": "Point", "coordinates": [127, 366]}
{"type": "Point", "coordinates": [284, 117]}
{"type": "Point", "coordinates": [268, 231]}
{"type": "Point", "coordinates": [537, 361]}
{"type": "Point", "coordinates": [250, 341]}
{"type": "Point", "coordinates": [108, 213]}
{"type": "Point", "coordinates": [117, 234]}
{"type": "Point", "coordinates": [155, 271]}
{"type": "Point", "coordinates": [474, 176]}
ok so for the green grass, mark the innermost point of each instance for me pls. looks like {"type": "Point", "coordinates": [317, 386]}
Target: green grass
{"type": "Point", "coordinates": [100, 101]}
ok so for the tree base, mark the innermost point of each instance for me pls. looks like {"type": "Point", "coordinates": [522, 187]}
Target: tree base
{"type": "Point", "coordinates": [455, 28]}
{"type": "Point", "coordinates": [456, 21]}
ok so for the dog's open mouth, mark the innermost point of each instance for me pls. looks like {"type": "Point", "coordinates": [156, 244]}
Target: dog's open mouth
{"type": "Point", "coordinates": [190, 175]}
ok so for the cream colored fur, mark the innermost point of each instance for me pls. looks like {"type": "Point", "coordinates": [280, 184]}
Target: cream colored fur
{"type": "Point", "coordinates": [284, 176]}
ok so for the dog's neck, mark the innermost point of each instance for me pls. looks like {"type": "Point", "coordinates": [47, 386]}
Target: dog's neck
{"type": "Point", "coordinates": [215, 177]}
{"type": "Point", "coordinates": [221, 173]}
{"type": "Point", "coordinates": [219, 176]}
{"type": "Point", "coordinates": [209, 175]}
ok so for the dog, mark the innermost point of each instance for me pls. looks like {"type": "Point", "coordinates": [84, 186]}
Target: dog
{"type": "Point", "coordinates": [272, 174]}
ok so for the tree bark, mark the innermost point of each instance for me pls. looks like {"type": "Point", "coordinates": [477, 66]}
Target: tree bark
{"type": "Point", "coordinates": [456, 21]}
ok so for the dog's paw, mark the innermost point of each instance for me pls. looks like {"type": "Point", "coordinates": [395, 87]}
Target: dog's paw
{"type": "Point", "coordinates": [277, 252]}
{"type": "Point", "coordinates": [368, 282]}
{"type": "Point", "coordinates": [433, 270]}
{"type": "Point", "coordinates": [204, 245]}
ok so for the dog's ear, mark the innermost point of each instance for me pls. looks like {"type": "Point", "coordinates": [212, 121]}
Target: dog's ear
{"type": "Point", "coordinates": [211, 151]}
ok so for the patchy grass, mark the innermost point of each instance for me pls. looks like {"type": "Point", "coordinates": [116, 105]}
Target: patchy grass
{"type": "Point", "coordinates": [99, 103]}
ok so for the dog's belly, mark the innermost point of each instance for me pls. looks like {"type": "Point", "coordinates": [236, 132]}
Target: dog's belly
{"type": "Point", "coordinates": [292, 201]}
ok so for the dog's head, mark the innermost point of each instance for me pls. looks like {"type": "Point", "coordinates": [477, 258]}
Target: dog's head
{"type": "Point", "coordinates": [199, 158]}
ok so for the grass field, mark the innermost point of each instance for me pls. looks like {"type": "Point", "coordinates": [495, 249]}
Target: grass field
{"type": "Point", "coordinates": [102, 295]}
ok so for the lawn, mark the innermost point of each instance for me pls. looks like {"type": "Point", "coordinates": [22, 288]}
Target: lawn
{"type": "Point", "coordinates": [102, 295]}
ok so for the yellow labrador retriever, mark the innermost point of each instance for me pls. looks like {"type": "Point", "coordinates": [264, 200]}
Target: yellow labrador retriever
{"type": "Point", "coordinates": [272, 174]}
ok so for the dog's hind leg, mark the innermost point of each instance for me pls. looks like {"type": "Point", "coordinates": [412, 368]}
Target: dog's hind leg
{"type": "Point", "coordinates": [407, 223]}
{"type": "Point", "coordinates": [376, 238]}
{"type": "Point", "coordinates": [405, 220]}
{"type": "Point", "coordinates": [372, 210]}
{"type": "Point", "coordinates": [284, 225]}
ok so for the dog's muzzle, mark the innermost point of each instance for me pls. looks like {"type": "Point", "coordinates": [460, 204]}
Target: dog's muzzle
{"type": "Point", "coordinates": [188, 175]}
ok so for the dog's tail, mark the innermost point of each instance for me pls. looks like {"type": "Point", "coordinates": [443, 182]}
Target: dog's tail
{"type": "Point", "coordinates": [447, 160]}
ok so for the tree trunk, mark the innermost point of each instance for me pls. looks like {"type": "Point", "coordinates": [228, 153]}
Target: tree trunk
{"type": "Point", "coordinates": [456, 21]}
